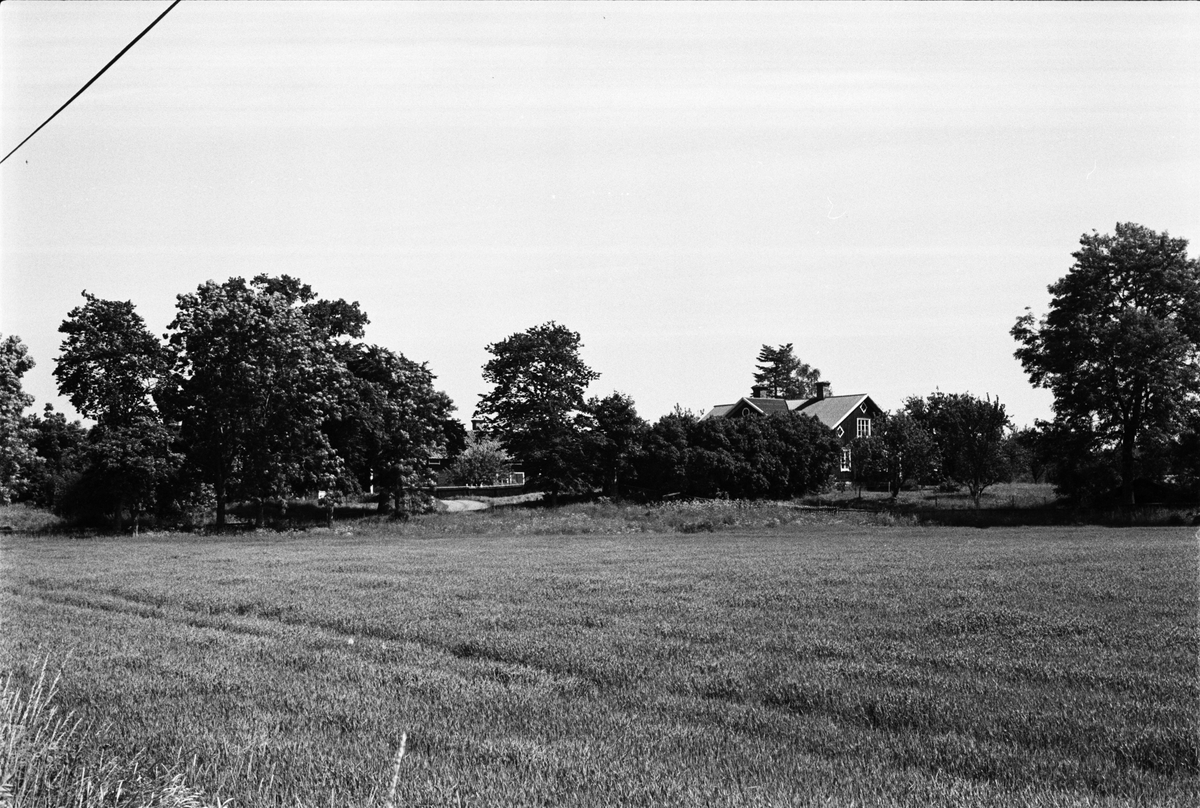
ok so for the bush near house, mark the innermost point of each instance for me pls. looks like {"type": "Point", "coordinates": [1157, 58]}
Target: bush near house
{"type": "Point", "coordinates": [777, 456]}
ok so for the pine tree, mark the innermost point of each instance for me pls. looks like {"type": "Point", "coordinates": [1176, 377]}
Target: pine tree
{"type": "Point", "coordinates": [782, 375]}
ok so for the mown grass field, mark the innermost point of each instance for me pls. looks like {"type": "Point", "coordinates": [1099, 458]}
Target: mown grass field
{"type": "Point", "coordinates": [793, 663]}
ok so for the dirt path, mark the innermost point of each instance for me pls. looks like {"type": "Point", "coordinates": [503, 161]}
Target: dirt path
{"type": "Point", "coordinates": [458, 505]}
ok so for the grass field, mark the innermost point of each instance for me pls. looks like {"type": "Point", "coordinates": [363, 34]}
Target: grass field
{"type": "Point", "coordinates": [785, 663]}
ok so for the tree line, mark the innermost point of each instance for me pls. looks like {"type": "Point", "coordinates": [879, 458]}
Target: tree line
{"type": "Point", "coordinates": [261, 391]}
{"type": "Point", "coordinates": [536, 414]}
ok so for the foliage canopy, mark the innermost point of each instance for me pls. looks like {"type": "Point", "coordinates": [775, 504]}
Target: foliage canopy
{"type": "Point", "coordinates": [254, 380]}
{"type": "Point", "coordinates": [969, 434]}
{"type": "Point", "coordinates": [1120, 345]}
{"type": "Point", "coordinates": [777, 456]}
{"type": "Point", "coordinates": [536, 405]}
{"type": "Point", "coordinates": [481, 463]}
{"type": "Point", "coordinates": [390, 424]}
{"type": "Point", "coordinates": [615, 440]}
{"type": "Point", "coordinates": [110, 362]}
{"type": "Point", "coordinates": [17, 456]}
{"type": "Point", "coordinates": [109, 368]}
{"type": "Point", "coordinates": [897, 450]}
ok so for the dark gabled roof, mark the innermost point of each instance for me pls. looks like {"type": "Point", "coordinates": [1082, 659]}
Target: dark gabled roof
{"type": "Point", "coordinates": [768, 405]}
{"type": "Point", "coordinates": [832, 410]}
{"type": "Point", "coordinates": [765, 406]}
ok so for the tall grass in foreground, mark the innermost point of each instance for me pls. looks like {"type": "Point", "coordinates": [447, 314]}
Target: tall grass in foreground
{"type": "Point", "coordinates": [33, 739]}
{"type": "Point", "coordinates": [40, 763]}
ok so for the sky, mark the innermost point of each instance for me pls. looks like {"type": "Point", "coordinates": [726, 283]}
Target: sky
{"type": "Point", "coordinates": [885, 186]}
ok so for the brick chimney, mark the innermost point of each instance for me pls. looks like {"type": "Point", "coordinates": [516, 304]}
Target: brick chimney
{"type": "Point", "coordinates": [823, 391]}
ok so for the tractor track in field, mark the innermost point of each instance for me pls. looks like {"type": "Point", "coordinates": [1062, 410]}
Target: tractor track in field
{"type": "Point", "coordinates": [152, 609]}
{"type": "Point", "coordinates": [277, 626]}
{"type": "Point", "coordinates": [235, 619]}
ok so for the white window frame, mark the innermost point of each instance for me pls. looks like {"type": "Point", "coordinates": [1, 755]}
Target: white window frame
{"type": "Point", "coordinates": [864, 428]}
{"type": "Point", "coordinates": [846, 458]}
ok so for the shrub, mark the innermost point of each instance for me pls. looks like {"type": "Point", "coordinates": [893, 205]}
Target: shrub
{"type": "Point", "coordinates": [23, 518]}
{"type": "Point", "coordinates": [774, 457]}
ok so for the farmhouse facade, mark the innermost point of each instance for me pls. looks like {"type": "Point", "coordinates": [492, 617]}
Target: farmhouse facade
{"type": "Point", "coordinates": [849, 417]}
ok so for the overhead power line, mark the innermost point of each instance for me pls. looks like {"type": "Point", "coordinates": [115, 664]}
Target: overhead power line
{"type": "Point", "coordinates": [93, 79]}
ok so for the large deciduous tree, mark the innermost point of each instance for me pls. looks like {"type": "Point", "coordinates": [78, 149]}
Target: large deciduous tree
{"type": "Point", "coordinates": [970, 435]}
{"type": "Point", "coordinates": [255, 378]}
{"type": "Point", "coordinates": [109, 367]}
{"type": "Point", "coordinates": [615, 440]}
{"type": "Point", "coordinates": [1120, 345]}
{"type": "Point", "coordinates": [897, 451]}
{"type": "Point", "coordinates": [782, 375]}
{"type": "Point", "coordinates": [391, 423]}
{"type": "Point", "coordinates": [536, 405]}
{"type": "Point", "coordinates": [17, 457]}
{"type": "Point", "coordinates": [110, 362]}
